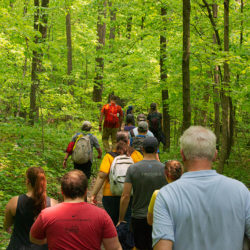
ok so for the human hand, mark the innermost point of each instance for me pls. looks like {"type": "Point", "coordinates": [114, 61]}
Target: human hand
{"type": "Point", "coordinates": [120, 221]}
{"type": "Point", "coordinates": [64, 163]}
{"type": "Point", "coordinates": [93, 200]}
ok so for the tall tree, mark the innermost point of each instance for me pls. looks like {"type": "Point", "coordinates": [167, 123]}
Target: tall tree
{"type": "Point", "coordinates": [216, 88]}
{"type": "Point", "coordinates": [185, 65]}
{"type": "Point", "coordinates": [163, 76]}
{"type": "Point", "coordinates": [40, 24]}
{"type": "Point", "coordinates": [69, 45]}
{"type": "Point", "coordinates": [101, 32]}
{"type": "Point", "coordinates": [225, 95]}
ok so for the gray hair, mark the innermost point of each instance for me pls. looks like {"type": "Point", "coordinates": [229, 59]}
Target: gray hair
{"type": "Point", "coordinates": [198, 142]}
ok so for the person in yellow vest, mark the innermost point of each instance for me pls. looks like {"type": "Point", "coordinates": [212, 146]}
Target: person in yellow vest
{"type": "Point", "coordinates": [173, 171]}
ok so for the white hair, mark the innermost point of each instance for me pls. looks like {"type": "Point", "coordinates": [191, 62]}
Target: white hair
{"type": "Point", "coordinates": [198, 142]}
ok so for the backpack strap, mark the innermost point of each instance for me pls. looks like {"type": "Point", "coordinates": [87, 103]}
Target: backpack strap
{"type": "Point", "coordinates": [77, 139]}
{"type": "Point", "coordinates": [132, 134]}
{"type": "Point", "coordinates": [113, 154]}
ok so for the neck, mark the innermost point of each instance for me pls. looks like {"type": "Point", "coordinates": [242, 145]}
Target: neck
{"type": "Point", "coordinates": [149, 157]}
{"type": "Point", "coordinates": [30, 191]}
{"type": "Point", "coordinates": [76, 200]}
{"type": "Point", "coordinates": [197, 165]}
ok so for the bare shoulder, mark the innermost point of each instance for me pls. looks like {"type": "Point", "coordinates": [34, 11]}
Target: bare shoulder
{"type": "Point", "coordinates": [12, 205]}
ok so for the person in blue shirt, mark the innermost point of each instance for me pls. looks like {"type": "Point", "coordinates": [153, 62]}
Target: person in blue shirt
{"type": "Point", "coordinates": [203, 210]}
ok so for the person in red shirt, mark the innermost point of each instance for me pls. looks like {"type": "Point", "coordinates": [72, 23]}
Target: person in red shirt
{"type": "Point", "coordinates": [112, 122]}
{"type": "Point", "coordinates": [75, 224]}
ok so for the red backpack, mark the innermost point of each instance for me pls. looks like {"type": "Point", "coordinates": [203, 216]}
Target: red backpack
{"type": "Point", "coordinates": [111, 113]}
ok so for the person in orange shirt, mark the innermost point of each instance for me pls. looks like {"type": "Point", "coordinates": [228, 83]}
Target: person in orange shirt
{"type": "Point", "coordinates": [113, 115]}
{"type": "Point", "coordinates": [110, 202]}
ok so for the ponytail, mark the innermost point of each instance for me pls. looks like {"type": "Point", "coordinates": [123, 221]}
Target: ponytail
{"type": "Point", "coordinates": [36, 177]}
{"type": "Point", "coordinates": [123, 148]}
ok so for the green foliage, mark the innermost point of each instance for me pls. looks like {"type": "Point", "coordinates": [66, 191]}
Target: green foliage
{"type": "Point", "coordinates": [24, 146]}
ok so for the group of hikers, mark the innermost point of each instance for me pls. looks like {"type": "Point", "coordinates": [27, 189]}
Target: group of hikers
{"type": "Point", "coordinates": [147, 204]}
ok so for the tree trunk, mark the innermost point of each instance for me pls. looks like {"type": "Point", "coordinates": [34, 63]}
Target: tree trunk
{"type": "Point", "coordinates": [112, 21]}
{"type": "Point", "coordinates": [163, 76]}
{"type": "Point", "coordinates": [225, 141]}
{"type": "Point", "coordinates": [24, 65]}
{"type": "Point", "coordinates": [216, 90]}
{"type": "Point", "coordinates": [69, 47]}
{"type": "Point", "coordinates": [129, 26]}
{"type": "Point", "coordinates": [185, 65]}
{"type": "Point", "coordinates": [40, 24]}
{"type": "Point", "coordinates": [216, 97]}
{"type": "Point", "coordinates": [101, 32]}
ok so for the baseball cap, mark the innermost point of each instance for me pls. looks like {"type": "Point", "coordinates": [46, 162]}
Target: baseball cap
{"type": "Point", "coordinates": [150, 144]}
{"type": "Point", "coordinates": [142, 126]}
{"type": "Point", "coordinates": [141, 117]}
{"type": "Point", "coordinates": [86, 125]}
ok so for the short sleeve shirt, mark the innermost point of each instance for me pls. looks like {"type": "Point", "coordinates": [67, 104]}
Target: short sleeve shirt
{"type": "Point", "coordinates": [105, 167]}
{"type": "Point", "coordinates": [145, 176]}
{"type": "Point", "coordinates": [113, 108]}
{"type": "Point", "coordinates": [202, 210]}
{"type": "Point", "coordinates": [73, 226]}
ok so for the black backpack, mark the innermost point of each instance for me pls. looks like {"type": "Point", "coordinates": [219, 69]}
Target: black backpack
{"type": "Point", "coordinates": [154, 122]}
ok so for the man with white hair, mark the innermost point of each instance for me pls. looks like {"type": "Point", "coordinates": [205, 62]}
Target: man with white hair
{"type": "Point", "coordinates": [203, 210]}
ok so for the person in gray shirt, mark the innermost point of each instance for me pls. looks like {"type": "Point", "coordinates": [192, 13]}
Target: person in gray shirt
{"type": "Point", "coordinates": [144, 178]}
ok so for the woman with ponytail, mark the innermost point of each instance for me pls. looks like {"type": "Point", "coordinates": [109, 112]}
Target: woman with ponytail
{"type": "Point", "coordinates": [22, 210]}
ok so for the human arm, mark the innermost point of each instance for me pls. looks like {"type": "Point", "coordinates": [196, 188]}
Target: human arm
{"type": "Point", "coordinates": [37, 241]}
{"type": "Point", "coordinates": [98, 184]}
{"type": "Point", "coordinates": [120, 118]}
{"type": "Point", "coordinates": [100, 120]}
{"type": "Point", "coordinates": [96, 145]}
{"type": "Point", "coordinates": [125, 198]}
{"type": "Point", "coordinates": [112, 243]}
{"type": "Point", "coordinates": [10, 212]}
{"type": "Point", "coordinates": [99, 150]}
{"type": "Point", "coordinates": [38, 232]}
{"type": "Point", "coordinates": [163, 225]}
{"type": "Point", "coordinates": [65, 160]}
{"type": "Point", "coordinates": [164, 245]}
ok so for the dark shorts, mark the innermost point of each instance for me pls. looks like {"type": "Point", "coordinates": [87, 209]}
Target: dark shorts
{"type": "Point", "coordinates": [112, 205]}
{"type": "Point", "coordinates": [85, 168]}
{"type": "Point", "coordinates": [142, 233]}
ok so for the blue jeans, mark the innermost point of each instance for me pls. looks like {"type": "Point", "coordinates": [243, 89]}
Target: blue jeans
{"type": "Point", "coordinates": [112, 206]}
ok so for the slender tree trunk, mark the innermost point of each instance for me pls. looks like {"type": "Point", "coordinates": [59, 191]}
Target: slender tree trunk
{"type": "Point", "coordinates": [112, 21]}
{"type": "Point", "coordinates": [24, 65]}
{"type": "Point", "coordinates": [101, 32]}
{"type": "Point", "coordinates": [225, 95]}
{"type": "Point", "coordinates": [216, 92]}
{"type": "Point", "coordinates": [40, 24]}
{"type": "Point", "coordinates": [185, 65]}
{"type": "Point", "coordinates": [163, 75]}
{"type": "Point", "coordinates": [69, 46]}
{"type": "Point", "coordinates": [216, 89]}
{"type": "Point", "coordinates": [34, 69]}
{"type": "Point", "coordinates": [129, 26]}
